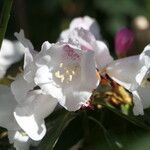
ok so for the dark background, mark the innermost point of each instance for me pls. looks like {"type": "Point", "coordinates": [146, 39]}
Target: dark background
{"type": "Point", "coordinates": [45, 19]}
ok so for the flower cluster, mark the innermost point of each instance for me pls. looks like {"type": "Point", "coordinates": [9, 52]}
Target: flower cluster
{"type": "Point", "coordinates": [65, 73]}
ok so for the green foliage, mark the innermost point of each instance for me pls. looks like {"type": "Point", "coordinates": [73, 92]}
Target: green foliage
{"type": "Point", "coordinates": [55, 125]}
{"type": "Point", "coordinates": [5, 14]}
{"type": "Point", "coordinates": [105, 128]}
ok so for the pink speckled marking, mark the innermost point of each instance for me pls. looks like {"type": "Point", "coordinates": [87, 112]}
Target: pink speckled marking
{"type": "Point", "coordinates": [86, 47]}
{"type": "Point", "coordinates": [70, 52]}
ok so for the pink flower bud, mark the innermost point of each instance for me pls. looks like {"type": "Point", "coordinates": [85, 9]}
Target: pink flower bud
{"type": "Point", "coordinates": [123, 41]}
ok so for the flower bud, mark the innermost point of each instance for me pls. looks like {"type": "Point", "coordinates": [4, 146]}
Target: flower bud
{"type": "Point", "coordinates": [123, 41]}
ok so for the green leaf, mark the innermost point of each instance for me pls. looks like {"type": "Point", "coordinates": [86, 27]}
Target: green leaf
{"type": "Point", "coordinates": [109, 139]}
{"type": "Point", "coordinates": [5, 14]}
{"type": "Point", "coordinates": [56, 124]}
{"type": "Point", "coordinates": [71, 135]}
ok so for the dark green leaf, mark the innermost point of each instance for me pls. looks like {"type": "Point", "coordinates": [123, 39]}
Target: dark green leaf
{"type": "Point", "coordinates": [56, 124]}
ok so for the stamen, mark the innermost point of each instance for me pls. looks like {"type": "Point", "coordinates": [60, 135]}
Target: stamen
{"type": "Point", "coordinates": [57, 74]}
{"type": "Point", "coordinates": [62, 78]}
{"type": "Point", "coordinates": [67, 73]}
{"type": "Point", "coordinates": [61, 65]}
{"type": "Point", "coordinates": [70, 77]}
{"type": "Point", "coordinates": [73, 72]}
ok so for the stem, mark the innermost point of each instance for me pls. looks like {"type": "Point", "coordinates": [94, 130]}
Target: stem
{"type": "Point", "coordinates": [7, 4]}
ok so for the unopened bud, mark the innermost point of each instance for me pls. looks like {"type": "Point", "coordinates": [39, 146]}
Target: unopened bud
{"type": "Point", "coordinates": [124, 39]}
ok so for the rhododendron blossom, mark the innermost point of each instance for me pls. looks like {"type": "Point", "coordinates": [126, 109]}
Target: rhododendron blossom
{"type": "Point", "coordinates": [27, 113]}
{"type": "Point", "coordinates": [16, 135]}
{"type": "Point", "coordinates": [65, 76]}
{"type": "Point", "coordinates": [133, 73]}
{"type": "Point", "coordinates": [86, 23]}
{"type": "Point", "coordinates": [62, 71]}
{"type": "Point", "coordinates": [85, 40]}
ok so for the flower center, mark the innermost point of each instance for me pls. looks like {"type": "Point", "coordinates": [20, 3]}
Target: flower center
{"type": "Point", "coordinates": [67, 73]}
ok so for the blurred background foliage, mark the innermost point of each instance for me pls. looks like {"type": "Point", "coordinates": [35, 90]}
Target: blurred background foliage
{"type": "Point", "coordinates": [105, 128]}
{"type": "Point", "coordinates": [44, 20]}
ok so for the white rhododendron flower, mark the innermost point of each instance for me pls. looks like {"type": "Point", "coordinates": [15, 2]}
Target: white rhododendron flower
{"type": "Point", "coordinates": [10, 53]}
{"type": "Point", "coordinates": [86, 23]}
{"type": "Point", "coordinates": [65, 76]}
{"type": "Point", "coordinates": [62, 72]}
{"type": "Point", "coordinates": [16, 135]}
{"type": "Point", "coordinates": [28, 112]}
{"type": "Point", "coordinates": [87, 42]}
{"type": "Point", "coordinates": [133, 73]}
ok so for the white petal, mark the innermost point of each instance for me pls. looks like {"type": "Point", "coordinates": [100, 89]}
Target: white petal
{"type": "Point", "coordinates": [144, 93]}
{"type": "Point", "coordinates": [21, 145]}
{"type": "Point", "coordinates": [30, 116]}
{"type": "Point", "coordinates": [82, 37]}
{"type": "Point", "coordinates": [19, 50]}
{"type": "Point", "coordinates": [94, 27]}
{"type": "Point", "coordinates": [138, 107]}
{"type": "Point", "coordinates": [37, 99]}
{"type": "Point", "coordinates": [7, 105]}
{"type": "Point", "coordinates": [7, 53]}
{"type": "Point", "coordinates": [45, 46]}
{"type": "Point", "coordinates": [88, 72]}
{"type": "Point", "coordinates": [25, 42]}
{"type": "Point", "coordinates": [74, 99]}
{"type": "Point", "coordinates": [86, 23]}
{"type": "Point", "coordinates": [20, 88]}
{"type": "Point", "coordinates": [19, 139]}
{"type": "Point", "coordinates": [29, 65]}
{"type": "Point", "coordinates": [64, 35]}
{"type": "Point", "coordinates": [87, 42]}
{"type": "Point", "coordinates": [64, 53]}
{"type": "Point", "coordinates": [10, 53]}
{"type": "Point", "coordinates": [102, 55]}
{"type": "Point", "coordinates": [142, 76]}
{"type": "Point", "coordinates": [145, 56]}
{"type": "Point", "coordinates": [35, 130]}
{"type": "Point", "coordinates": [147, 49]}
{"type": "Point", "coordinates": [124, 71]}
{"type": "Point", "coordinates": [53, 90]}
{"type": "Point", "coordinates": [42, 58]}
{"type": "Point", "coordinates": [42, 75]}
{"type": "Point", "coordinates": [48, 86]}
